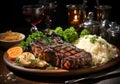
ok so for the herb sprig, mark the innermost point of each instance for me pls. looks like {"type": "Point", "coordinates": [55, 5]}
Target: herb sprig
{"type": "Point", "coordinates": [84, 32]}
{"type": "Point", "coordinates": [32, 37]}
{"type": "Point", "coordinates": [93, 39]}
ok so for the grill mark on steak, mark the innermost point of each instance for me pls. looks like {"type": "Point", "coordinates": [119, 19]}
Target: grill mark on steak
{"type": "Point", "coordinates": [61, 54]}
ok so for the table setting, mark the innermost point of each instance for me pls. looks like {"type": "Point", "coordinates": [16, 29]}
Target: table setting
{"type": "Point", "coordinates": [86, 52]}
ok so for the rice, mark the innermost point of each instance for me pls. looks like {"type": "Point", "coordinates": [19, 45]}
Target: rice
{"type": "Point", "coordinates": [100, 49]}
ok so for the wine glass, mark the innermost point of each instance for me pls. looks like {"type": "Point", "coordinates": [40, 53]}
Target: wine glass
{"type": "Point", "coordinates": [49, 12]}
{"type": "Point", "coordinates": [103, 12]}
{"type": "Point", "coordinates": [34, 15]}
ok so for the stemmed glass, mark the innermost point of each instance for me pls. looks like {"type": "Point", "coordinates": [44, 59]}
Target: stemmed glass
{"type": "Point", "coordinates": [34, 15]}
{"type": "Point", "coordinates": [49, 12]}
{"type": "Point", "coordinates": [42, 12]}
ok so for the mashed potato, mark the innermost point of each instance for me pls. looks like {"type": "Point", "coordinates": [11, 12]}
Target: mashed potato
{"type": "Point", "coordinates": [99, 48]}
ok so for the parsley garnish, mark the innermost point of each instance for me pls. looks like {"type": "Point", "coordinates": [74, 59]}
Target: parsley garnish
{"type": "Point", "coordinates": [17, 61]}
{"type": "Point", "coordinates": [84, 32]}
{"type": "Point", "coordinates": [93, 39]}
{"type": "Point", "coordinates": [33, 37]}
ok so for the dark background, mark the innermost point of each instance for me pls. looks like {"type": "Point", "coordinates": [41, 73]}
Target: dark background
{"type": "Point", "coordinates": [11, 16]}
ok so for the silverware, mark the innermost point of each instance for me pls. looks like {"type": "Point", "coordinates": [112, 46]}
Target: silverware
{"type": "Point", "coordinates": [33, 29]}
{"type": "Point", "coordinates": [94, 77]}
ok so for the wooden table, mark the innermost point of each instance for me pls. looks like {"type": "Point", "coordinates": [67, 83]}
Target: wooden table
{"type": "Point", "coordinates": [9, 77]}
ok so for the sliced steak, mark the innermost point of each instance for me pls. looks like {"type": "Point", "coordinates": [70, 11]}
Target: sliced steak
{"type": "Point", "coordinates": [61, 54]}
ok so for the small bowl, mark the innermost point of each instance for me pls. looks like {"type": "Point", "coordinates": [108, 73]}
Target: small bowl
{"type": "Point", "coordinates": [9, 43]}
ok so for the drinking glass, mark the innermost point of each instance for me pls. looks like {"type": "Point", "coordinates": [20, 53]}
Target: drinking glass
{"type": "Point", "coordinates": [34, 15]}
{"type": "Point", "coordinates": [49, 13]}
{"type": "Point", "coordinates": [76, 14]}
{"type": "Point", "coordinates": [103, 12]}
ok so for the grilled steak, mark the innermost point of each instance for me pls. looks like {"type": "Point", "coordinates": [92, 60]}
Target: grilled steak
{"type": "Point", "coordinates": [61, 54]}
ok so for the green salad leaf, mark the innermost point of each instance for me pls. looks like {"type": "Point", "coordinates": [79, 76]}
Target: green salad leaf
{"type": "Point", "coordinates": [32, 37]}
{"type": "Point", "coordinates": [70, 34]}
{"type": "Point", "coordinates": [84, 32]}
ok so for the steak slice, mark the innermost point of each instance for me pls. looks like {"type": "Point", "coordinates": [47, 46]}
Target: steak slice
{"type": "Point", "coordinates": [61, 54]}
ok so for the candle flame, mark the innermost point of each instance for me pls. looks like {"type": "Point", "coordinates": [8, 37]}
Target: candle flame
{"type": "Point", "coordinates": [75, 17]}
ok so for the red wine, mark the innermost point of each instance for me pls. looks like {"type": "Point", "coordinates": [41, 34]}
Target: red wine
{"type": "Point", "coordinates": [33, 13]}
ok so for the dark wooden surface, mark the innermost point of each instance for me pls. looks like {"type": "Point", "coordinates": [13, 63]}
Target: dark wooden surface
{"type": "Point", "coordinates": [15, 21]}
{"type": "Point", "coordinates": [8, 76]}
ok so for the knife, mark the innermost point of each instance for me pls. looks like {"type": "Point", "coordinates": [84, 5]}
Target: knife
{"type": "Point", "coordinates": [95, 77]}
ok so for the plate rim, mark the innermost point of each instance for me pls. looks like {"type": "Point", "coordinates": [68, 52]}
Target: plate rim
{"type": "Point", "coordinates": [21, 35]}
{"type": "Point", "coordinates": [61, 72]}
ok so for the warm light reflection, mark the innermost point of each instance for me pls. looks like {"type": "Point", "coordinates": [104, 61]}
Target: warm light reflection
{"type": "Point", "coordinates": [75, 11]}
{"type": "Point", "coordinates": [76, 15]}
{"type": "Point", "coordinates": [75, 18]}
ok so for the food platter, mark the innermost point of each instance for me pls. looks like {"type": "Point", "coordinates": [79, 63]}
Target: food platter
{"type": "Point", "coordinates": [60, 72]}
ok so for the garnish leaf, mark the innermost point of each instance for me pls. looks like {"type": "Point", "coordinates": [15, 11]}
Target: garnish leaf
{"type": "Point", "coordinates": [84, 32]}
